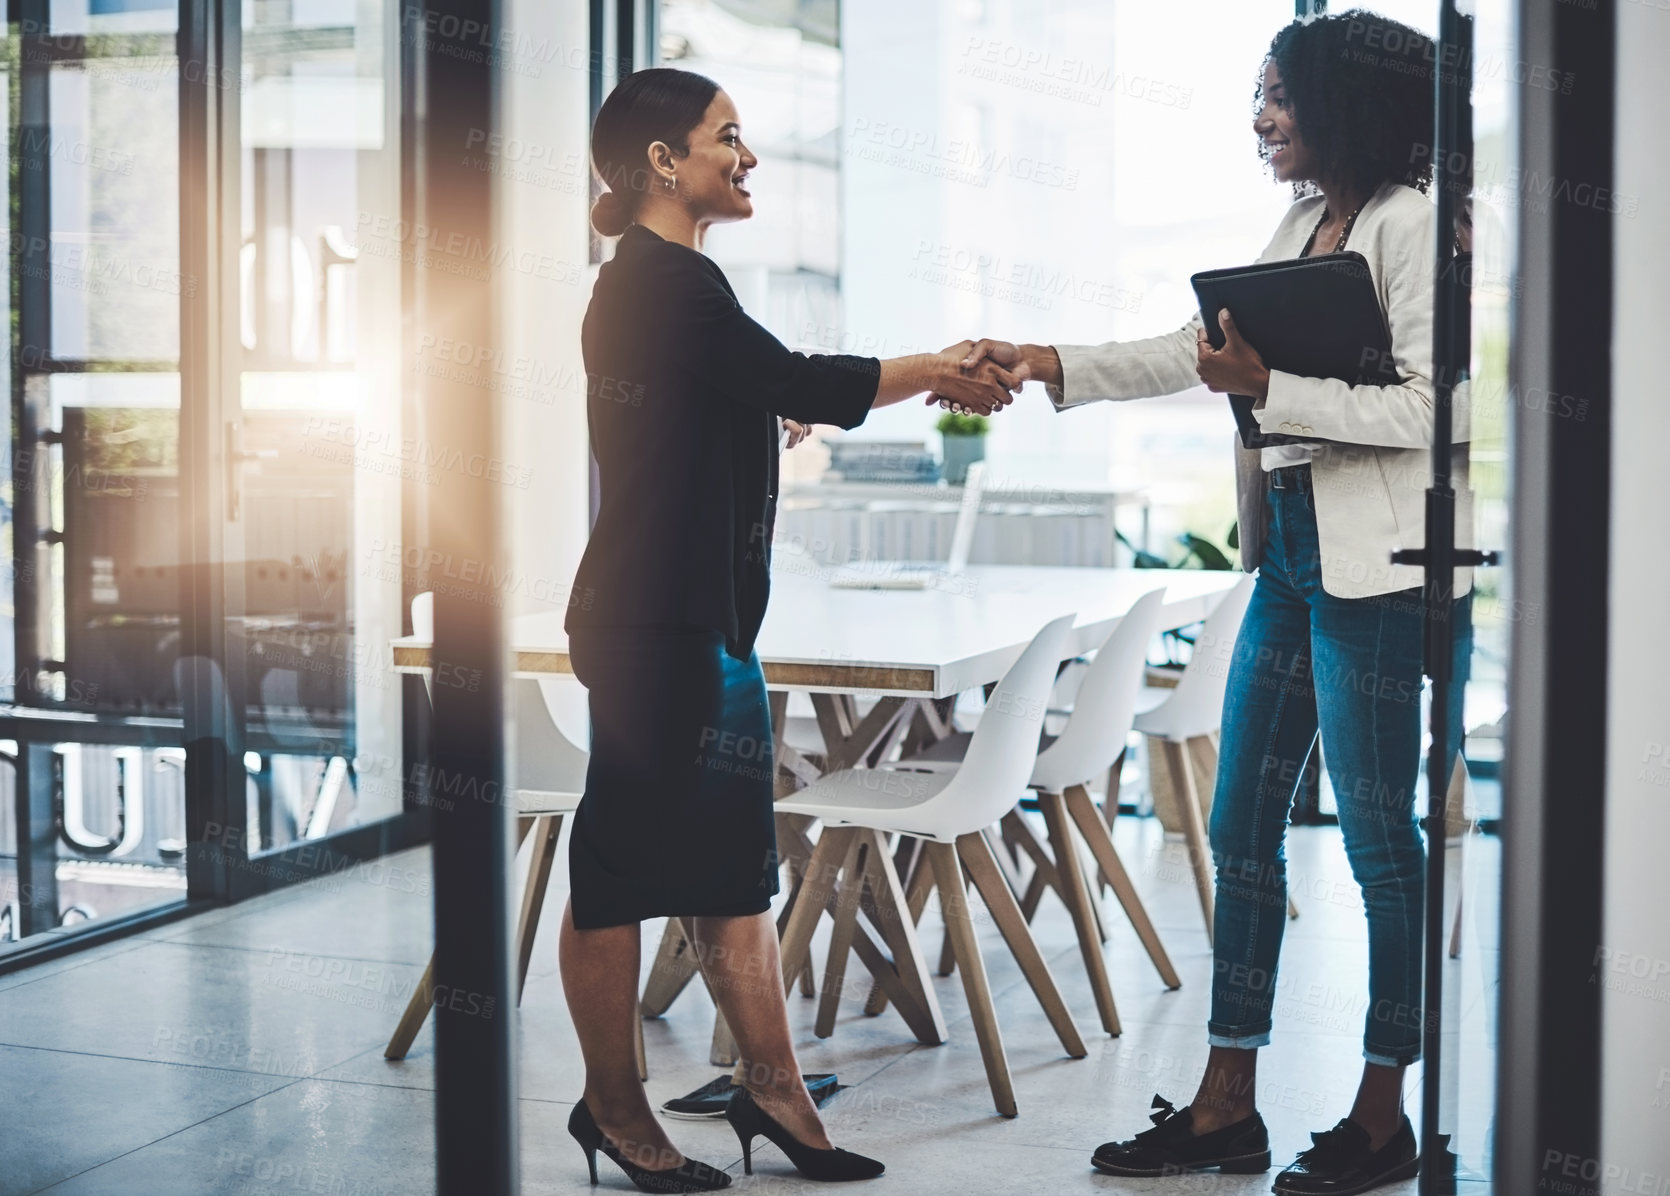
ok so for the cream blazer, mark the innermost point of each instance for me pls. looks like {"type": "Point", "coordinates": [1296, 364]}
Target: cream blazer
{"type": "Point", "coordinates": [1370, 490]}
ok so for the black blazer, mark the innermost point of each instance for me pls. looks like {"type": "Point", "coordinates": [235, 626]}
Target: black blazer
{"type": "Point", "coordinates": [682, 393]}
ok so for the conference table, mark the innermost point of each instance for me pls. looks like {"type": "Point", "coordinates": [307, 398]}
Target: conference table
{"type": "Point", "coordinates": [882, 668]}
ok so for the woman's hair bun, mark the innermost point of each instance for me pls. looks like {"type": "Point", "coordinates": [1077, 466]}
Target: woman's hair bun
{"type": "Point", "coordinates": [609, 215]}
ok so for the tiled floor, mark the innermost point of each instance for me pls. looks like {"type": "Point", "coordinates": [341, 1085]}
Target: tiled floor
{"type": "Point", "coordinates": [241, 1051]}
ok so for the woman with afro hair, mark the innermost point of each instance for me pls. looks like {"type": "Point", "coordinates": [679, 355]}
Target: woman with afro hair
{"type": "Point", "coordinates": [1332, 637]}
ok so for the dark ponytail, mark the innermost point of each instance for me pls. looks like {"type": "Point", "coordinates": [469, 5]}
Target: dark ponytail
{"type": "Point", "coordinates": [658, 104]}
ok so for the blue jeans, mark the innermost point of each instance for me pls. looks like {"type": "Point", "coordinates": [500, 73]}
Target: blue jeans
{"type": "Point", "coordinates": [1351, 667]}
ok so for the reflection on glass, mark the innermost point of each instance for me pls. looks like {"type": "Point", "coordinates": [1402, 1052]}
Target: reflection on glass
{"type": "Point", "coordinates": [91, 493]}
{"type": "Point", "coordinates": [114, 177]}
{"type": "Point", "coordinates": [114, 16]}
{"type": "Point", "coordinates": [320, 398]}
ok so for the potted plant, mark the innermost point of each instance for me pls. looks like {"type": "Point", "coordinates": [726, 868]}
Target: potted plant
{"type": "Point", "coordinates": [965, 443]}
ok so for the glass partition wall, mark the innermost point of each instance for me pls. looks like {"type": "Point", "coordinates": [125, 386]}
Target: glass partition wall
{"type": "Point", "coordinates": [195, 517]}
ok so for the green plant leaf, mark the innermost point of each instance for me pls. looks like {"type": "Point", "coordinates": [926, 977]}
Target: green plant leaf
{"type": "Point", "coordinates": [1206, 552]}
{"type": "Point", "coordinates": [1234, 537]}
{"type": "Point", "coordinates": [953, 423]}
{"type": "Point", "coordinates": [1139, 558]}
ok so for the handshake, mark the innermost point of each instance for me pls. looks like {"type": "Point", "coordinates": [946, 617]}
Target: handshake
{"type": "Point", "coordinates": [977, 377]}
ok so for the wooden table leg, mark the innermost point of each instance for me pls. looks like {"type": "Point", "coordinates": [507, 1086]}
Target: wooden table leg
{"type": "Point", "coordinates": [808, 982]}
{"type": "Point", "coordinates": [817, 889]}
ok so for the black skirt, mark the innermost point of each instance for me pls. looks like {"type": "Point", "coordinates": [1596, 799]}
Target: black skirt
{"type": "Point", "coordinates": [676, 819]}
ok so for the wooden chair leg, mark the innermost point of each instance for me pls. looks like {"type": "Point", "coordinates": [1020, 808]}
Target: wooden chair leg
{"type": "Point", "coordinates": [1034, 894]}
{"type": "Point", "coordinates": [916, 890]}
{"type": "Point", "coordinates": [1110, 809]}
{"type": "Point", "coordinates": [1016, 831]}
{"type": "Point", "coordinates": [953, 900]}
{"type": "Point", "coordinates": [1004, 861]}
{"type": "Point", "coordinates": [884, 902]}
{"type": "Point", "coordinates": [423, 996]}
{"type": "Point", "coordinates": [976, 854]}
{"type": "Point", "coordinates": [1083, 812]}
{"type": "Point", "coordinates": [947, 956]}
{"type": "Point", "coordinates": [1077, 896]}
{"type": "Point", "coordinates": [841, 940]}
{"type": "Point", "coordinates": [417, 1010]}
{"type": "Point", "coordinates": [903, 979]}
{"type": "Point", "coordinates": [547, 830]}
{"type": "Point", "coordinates": [1194, 829]}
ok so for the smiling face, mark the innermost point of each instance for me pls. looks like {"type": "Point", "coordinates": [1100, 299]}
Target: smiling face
{"type": "Point", "coordinates": [712, 179]}
{"type": "Point", "coordinates": [1290, 158]}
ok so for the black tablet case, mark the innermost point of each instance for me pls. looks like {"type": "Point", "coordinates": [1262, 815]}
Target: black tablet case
{"type": "Point", "coordinates": [1318, 317]}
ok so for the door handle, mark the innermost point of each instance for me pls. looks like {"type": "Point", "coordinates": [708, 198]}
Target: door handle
{"type": "Point", "coordinates": [236, 458]}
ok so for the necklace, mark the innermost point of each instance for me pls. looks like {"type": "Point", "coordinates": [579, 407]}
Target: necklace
{"type": "Point", "coordinates": [1343, 233]}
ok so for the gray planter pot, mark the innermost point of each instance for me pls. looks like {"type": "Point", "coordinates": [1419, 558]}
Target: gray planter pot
{"type": "Point", "coordinates": [960, 453]}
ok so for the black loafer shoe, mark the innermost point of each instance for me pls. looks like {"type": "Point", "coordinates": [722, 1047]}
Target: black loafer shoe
{"type": "Point", "coordinates": [708, 1102]}
{"type": "Point", "coordinates": [1173, 1148]}
{"type": "Point", "coordinates": [1340, 1163]}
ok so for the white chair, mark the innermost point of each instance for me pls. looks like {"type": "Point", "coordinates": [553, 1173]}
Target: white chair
{"type": "Point", "coordinates": [1093, 742]}
{"type": "Point", "coordinates": [1103, 696]}
{"type": "Point", "coordinates": [946, 806]}
{"type": "Point", "coordinates": [548, 778]}
{"type": "Point", "coordinates": [1187, 718]}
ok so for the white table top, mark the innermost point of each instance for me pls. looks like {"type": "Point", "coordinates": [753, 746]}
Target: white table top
{"type": "Point", "coordinates": [908, 643]}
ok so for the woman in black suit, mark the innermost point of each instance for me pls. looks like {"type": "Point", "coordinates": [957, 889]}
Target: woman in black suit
{"type": "Point", "coordinates": [684, 393]}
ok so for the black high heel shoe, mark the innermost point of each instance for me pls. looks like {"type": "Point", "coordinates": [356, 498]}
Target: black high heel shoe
{"type": "Point", "coordinates": [692, 1175]}
{"type": "Point", "coordinates": [832, 1166]}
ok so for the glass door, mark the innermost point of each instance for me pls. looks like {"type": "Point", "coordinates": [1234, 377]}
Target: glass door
{"type": "Point", "coordinates": [92, 827]}
{"type": "Point", "coordinates": [315, 456]}
{"type": "Point", "coordinates": [208, 472]}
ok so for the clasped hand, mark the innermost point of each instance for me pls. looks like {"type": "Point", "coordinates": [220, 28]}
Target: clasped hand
{"type": "Point", "coordinates": [980, 377]}
{"type": "Point", "coordinates": [1234, 369]}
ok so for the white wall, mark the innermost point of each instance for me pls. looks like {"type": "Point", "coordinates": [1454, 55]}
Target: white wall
{"type": "Point", "coordinates": [1053, 171]}
{"type": "Point", "coordinates": [1636, 1044]}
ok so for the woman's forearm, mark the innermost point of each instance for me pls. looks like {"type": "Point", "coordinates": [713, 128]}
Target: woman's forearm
{"type": "Point", "coordinates": [983, 388]}
{"type": "Point", "coordinates": [1044, 363]}
{"type": "Point", "coordinates": [905, 377]}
